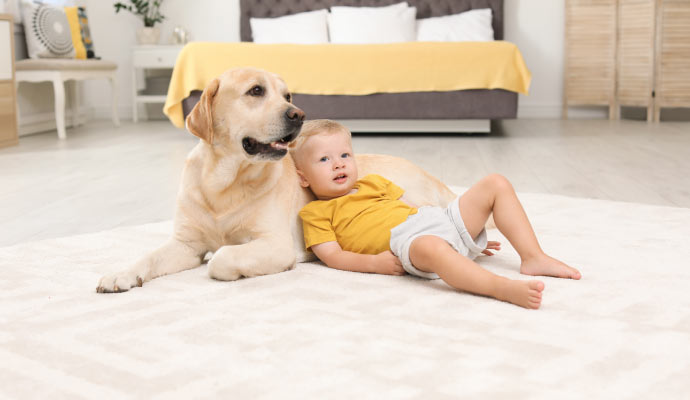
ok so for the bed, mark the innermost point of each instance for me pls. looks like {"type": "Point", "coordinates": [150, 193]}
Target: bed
{"type": "Point", "coordinates": [455, 104]}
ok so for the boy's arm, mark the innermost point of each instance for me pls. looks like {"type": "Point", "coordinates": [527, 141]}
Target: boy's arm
{"type": "Point", "coordinates": [335, 257]}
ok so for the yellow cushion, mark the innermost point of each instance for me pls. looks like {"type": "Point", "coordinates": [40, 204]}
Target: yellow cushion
{"type": "Point", "coordinates": [73, 19]}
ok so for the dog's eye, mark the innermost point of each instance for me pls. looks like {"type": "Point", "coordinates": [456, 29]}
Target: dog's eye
{"type": "Point", "coordinates": [256, 91]}
{"type": "Point", "coordinates": [288, 97]}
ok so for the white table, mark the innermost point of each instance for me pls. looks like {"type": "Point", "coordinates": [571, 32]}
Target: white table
{"type": "Point", "coordinates": [150, 57]}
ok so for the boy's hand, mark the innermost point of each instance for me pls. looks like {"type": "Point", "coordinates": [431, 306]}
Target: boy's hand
{"type": "Point", "coordinates": [387, 263]}
{"type": "Point", "coordinates": [491, 246]}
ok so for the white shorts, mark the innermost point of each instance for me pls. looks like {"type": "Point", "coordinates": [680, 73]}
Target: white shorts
{"type": "Point", "coordinates": [435, 221]}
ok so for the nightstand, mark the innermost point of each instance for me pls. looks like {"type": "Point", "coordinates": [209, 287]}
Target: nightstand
{"type": "Point", "coordinates": [150, 57]}
{"type": "Point", "coordinates": [8, 91]}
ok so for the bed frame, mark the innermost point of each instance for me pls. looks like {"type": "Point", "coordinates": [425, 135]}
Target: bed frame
{"type": "Point", "coordinates": [453, 111]}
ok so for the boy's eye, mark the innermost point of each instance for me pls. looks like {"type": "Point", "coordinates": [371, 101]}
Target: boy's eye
{"type": "Point", "coordinates": [345, 155]}
{"type": "Point", "coordinates": [324, 158]}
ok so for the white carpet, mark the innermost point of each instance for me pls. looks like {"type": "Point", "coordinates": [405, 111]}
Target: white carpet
{"type": "Point", "coordinates": [621, 332]}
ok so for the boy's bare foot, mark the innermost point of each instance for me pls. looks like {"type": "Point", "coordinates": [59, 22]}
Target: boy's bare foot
{"type": "Point", "coordinates": [522, 293]}
{"type": "Point", "coordinates": [548, 266]}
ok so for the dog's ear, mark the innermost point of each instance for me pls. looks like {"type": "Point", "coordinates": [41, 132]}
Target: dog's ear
{"type": "Point", "coordinates": [200, 121]}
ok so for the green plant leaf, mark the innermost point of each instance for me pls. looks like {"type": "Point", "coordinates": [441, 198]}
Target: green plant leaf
{"type": "Point", "coordinates": [148, 10]}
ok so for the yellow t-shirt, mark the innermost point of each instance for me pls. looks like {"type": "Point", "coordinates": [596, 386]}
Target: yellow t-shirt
{"type": "Point", "coordinates": [360, 222]}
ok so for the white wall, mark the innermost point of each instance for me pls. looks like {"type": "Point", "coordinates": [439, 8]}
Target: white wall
{"type": "Point", "coordinates": [536, 26]}
{"type": "Point", "coordinates": [114, 35]}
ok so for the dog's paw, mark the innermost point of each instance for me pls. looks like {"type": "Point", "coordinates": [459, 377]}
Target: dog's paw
{"type": "Point", "coordinates": [217, 270]}
{"type": "Point", "coordinates": [120, 282]}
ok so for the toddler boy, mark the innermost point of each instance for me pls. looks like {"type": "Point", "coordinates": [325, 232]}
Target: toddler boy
{"type": "Point", "coordinates": [367, 225]}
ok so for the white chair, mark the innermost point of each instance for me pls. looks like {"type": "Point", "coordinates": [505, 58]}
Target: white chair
{"type": "Point", "coordinates": [59, 71]}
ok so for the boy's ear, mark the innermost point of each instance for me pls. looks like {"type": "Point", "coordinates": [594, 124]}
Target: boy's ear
{"type": "Point", "coordinates": [302, 180]}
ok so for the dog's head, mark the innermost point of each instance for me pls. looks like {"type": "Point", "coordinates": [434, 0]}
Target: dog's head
{"type": "Point", "coordinates": [247, 111]}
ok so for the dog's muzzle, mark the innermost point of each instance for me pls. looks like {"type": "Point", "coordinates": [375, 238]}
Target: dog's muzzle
{"type": "Point", "coordinates": [294, 117]}
{"type": "Point", "coordinates": [293, 120]}
{"type": "Point", "coordinates": [275, 149]}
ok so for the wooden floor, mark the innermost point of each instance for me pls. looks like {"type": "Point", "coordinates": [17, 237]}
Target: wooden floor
{"type": "Point", "coordinates": [102, 177]}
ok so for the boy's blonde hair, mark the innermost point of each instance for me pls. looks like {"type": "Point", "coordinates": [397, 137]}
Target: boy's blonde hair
{"type": "Point", "coordinates": [312, 128]}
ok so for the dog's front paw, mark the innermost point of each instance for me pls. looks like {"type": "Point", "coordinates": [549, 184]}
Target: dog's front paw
{"type": "Point", "coordinates": [120, 282]}
{"type": "Point", "coordinates": [217, 269]}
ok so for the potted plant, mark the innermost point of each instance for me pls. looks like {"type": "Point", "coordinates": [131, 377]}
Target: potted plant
{"type": "Point", "coordinates": [149, 11]}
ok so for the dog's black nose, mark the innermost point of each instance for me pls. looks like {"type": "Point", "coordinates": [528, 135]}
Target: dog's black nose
{"type": "Point", "coordinates": [294, 115]}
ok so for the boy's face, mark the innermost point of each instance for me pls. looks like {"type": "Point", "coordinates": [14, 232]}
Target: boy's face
{"type": "Point", "coordinates": [327, 165]}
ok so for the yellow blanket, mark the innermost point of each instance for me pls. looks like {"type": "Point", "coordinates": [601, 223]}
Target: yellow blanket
{"type": "Point", "coordinates": [341, 69]}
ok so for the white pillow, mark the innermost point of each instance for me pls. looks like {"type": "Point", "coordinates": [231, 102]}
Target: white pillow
{"type": "Point", "coordinates": [389, 24]}
{"type": "Point", "coordinates": [469, 26]}
{"type": "Point", "coordinates": [303, 28]}
{"type": "Point", "coordinates": [47, 31]}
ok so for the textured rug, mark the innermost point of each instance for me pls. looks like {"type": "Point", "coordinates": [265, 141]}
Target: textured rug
{"type": "Point", "coordinates": [621, 332]}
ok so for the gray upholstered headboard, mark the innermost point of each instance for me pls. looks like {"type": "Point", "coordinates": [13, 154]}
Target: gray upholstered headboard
{"type": "Point", "coordinates": [425, 9]}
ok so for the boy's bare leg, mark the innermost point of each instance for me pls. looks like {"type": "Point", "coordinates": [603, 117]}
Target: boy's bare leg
{"type": "Point", "coordinates": [495, 194]}
{"type": "Point", "coordinates": [433, 254]}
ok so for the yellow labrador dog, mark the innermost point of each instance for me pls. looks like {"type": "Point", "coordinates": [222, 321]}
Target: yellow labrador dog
{"type": "Point", "coordinates": [240, 195]}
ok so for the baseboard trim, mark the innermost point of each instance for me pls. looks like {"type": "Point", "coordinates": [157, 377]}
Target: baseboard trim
{"type": "Point", "coordinates": [417, 125]}
{"type": "Point", "coordinates": [555, 111]}
{"type": "Point", "coordinates": [44, 122]}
